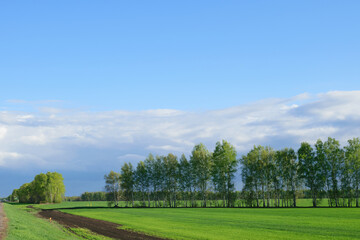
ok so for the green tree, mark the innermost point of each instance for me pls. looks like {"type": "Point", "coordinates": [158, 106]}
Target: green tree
{"type": "Point", "coordinates": [112, 187]}
{"type": "Point", "coordinates": [127, 179]}
{"type": "Point", "coordinates": [149, 167]}
{"type": "Point", "coordinates": [55, 187]}
{"type": "Point", "coordinates": [352, 154]}
{"type": "Point", "coordinates": [186, 180]}
{"type": "Point", "coordinates": [287, 159]}
{"type": "Point", "coordinates": [201, 162]}
{"type": "Point", "coordinates": [334, 157]}
{"type": "Point", "coordinates": [223, 170]}
{"type": "Point", "coordinates": [310, 170]}
{"type": "Point", "coordinates": [141, 180]}
{"type": "Point", "coordinates": [39, 188]}
{"type": "Point", "coordinates": [171, 164]}
{"type": "Point", "coordinates": [250, 174]}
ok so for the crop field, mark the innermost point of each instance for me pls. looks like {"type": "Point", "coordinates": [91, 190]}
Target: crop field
{"type": "Point", "coordinates": [193, 223]}
{"type": "Point", "coordinates": [308, 223]}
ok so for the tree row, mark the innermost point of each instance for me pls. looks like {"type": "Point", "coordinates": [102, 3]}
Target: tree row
{"type": "Point", "coordinates": [269, 178]}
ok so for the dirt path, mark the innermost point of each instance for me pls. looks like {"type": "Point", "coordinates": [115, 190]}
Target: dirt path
{"type": "Point", "coordinates": [107, 229]}
{"type": "Point", "coordinates": [3, 222]}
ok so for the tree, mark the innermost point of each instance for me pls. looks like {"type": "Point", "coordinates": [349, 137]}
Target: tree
{"type": "Point", "coordinates": [127, 182]}
{"type": "Point", "coordinates": [47, 187]}
{"type": "Point", "coordinates": [352, 154]}
{"type": "Point", "coordinates": [201, 163]}
{"type": "Point", "coordinates": [287, 159]}
{"type": "Point", "coordinates": [223, 170]}
{"type": "Point", "coordinates": [185, 179]}
{"type": "Point", "coordinates": [250, 174]}
{"type": "Point", "coordinates": [334, 157]}
{"type": "Point", "coordinates": [39, 188]}
{"type": "Point", "coordinates": [149, 167]}
{"type": "Point", "coordinates": [113, 187]}
{"type": "Point", "coordinates": [310, 170]}
{"type": "Point", "coordinates": [170, 164]}
{"type": "Point", "coordinates": [55, 187]}
{"type": "Point", "coordinates": [141, 180]}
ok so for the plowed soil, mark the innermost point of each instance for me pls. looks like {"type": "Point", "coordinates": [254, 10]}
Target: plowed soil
{"type": "Point", "coordinates": [3, 223]}
{"type": "Point", "coordinates": [107, 229]}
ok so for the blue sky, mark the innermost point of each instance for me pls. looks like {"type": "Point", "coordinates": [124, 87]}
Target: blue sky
{"type": "Point", "coordinates": [83, 83]}
{"type": "Point", "coordinates": [188, 55]}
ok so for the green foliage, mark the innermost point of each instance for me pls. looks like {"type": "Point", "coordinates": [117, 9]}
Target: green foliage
{"type": "Point", "coordinates": [112, 181]}
{"type": "Point", "coordinates": [45, 188]}
{"type": "Point", "coordinates": [93, 196]}
{"type": "Point", "coordinates": [201, 163]}
{"type": "Point", "coordinates": [127, 182]}
{"type": "Point", "coordinates": [270, 178]}
{"type": "Point", "coordinates": [223, 171]}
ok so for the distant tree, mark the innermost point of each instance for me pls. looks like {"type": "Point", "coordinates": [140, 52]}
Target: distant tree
{"type": "Point", "coordinates": [47, 187]}
{"type": "Point", "coordinates": [112, 187]}
{"type": "Point", "coordinates": [352, 153]}
{"type": "Point", "coordinates": [171, 166]}
{"type": "Point", "coordinates": [289, 171]}
{"type": "Point", "coordinates": [55, 187]}
{"type": "Point", "coordinates": [334, 157]}
{"type": "Point", "coordinates": [223, 170]}
{"type": "Point", "coordinates": [24, 193]}
{"type": "Point", "coordinates": [39, 188]}
{"type": "Point", "coordinates": [250, 174]}
{"type": "Point", "coordinates": [149, 167]}
{"type": "Point", "coordinates": [127, 182]}
{"type": "Point", "coordinates": [141, 180]}
{"type": "Point", "coordinates": [158, 178]}
{"type": "Point", "coordinates": [201, 162]}
{"type": "Point", "coordinates": [310, 170]}
{"type": "Point", "coordinates": [185, 174]}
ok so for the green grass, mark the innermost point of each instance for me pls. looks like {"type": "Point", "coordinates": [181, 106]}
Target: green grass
{"type": "Point", "coordinates": [87, 234]}
{"type": "Point", "coordinates": [25, 225]}
{"type": "Point", "coordinates": [247, 223]}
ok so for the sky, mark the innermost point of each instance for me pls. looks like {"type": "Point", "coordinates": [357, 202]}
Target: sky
{"type": "Point", "coordinates": [88, 85]}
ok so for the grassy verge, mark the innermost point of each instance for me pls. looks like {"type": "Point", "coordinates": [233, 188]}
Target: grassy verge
{"type": "Point", "coordinates": [23, 224]}
{"type": "Point", "coordinates": [235, 223]}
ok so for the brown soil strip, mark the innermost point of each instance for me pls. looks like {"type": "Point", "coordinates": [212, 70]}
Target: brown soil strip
{"type": "Point", "coordinates": [105, 228]}
{"type": "Point", "coordinates": [3, 223]}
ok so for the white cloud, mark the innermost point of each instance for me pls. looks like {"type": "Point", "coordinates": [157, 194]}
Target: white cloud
{"type": "Point", "coordinates": [69, 139]}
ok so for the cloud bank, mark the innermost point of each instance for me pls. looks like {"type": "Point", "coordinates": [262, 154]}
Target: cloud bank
{"type": "Point", "coordinates": [63, 139]}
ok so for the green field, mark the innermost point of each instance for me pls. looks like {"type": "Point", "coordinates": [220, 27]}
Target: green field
{"type": "Point", "coordinates": [199, 223]}
{"type": "Point", "coordinates": [220, 223]}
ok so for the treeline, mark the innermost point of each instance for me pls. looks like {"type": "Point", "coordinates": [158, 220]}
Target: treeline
{"type": "Point", "coordinates": [45, 188]}
{"type": "Point", "coordinates": [325, 170]}
{"type": "Point", "coordinates": [93, 196]}
{"type": "Point", "coordinates": [270, 178]}
{"type": "Point", "coordinates": [89, 196]}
